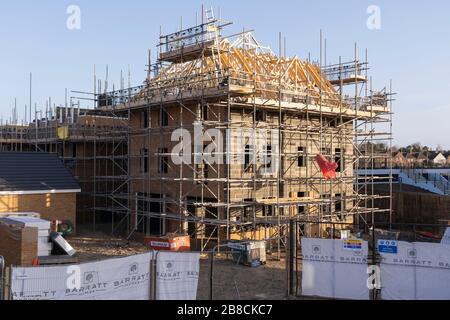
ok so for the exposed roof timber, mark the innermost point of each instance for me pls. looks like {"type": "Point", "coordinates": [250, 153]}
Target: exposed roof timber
{"type": "Point", "coordinates": [247, 61]}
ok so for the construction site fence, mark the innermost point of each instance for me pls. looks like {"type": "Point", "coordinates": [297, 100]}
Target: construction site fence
{"type": "Point", "coordinates": [2, 277]}
{"type": "Point", "coordinates": [396, 262]}
{"type": "Point", "coordinates": [295, 272]}
{"type": "Point", "coordinates": [150, 276]}
{"type": "Point", "coordinates": [309, 266]}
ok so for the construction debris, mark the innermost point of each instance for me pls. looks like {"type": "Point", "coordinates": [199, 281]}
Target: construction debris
{"type": "Point", "coordinates": [61, 245]}
{"type": "Point", "coordinates": [96, 246]}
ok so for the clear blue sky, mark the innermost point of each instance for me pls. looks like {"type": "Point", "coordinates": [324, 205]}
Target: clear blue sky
{"type": "Point", "coordinates": [412, 47]}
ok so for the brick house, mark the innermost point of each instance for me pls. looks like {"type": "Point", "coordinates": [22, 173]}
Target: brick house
{"type": "Point", "coordinates": [37, 182]}
{"type": "Point", "coordinates": [399, 160]}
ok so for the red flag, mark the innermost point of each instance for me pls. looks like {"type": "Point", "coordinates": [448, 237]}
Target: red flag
{"type": "Point", "coordinates": [328, 167]}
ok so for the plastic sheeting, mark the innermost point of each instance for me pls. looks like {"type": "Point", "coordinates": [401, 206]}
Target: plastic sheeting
{"type": "Point", "coordinates": [446, 237]}
{"type": "Point", "coordinates": [177, 276]}
{"type": "Point", "coordinates": [328, 168]}
{"type": "Point", "coordinates": [335, 268]}
{"type": "Point", "coordinates": [115, 279]}
{"type": "Point", "coordinates": [419, 271]}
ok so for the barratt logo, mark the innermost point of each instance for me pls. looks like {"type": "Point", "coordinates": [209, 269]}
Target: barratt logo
{"type": "Point", "coordinates": [134, 269]}
{"type": "Point", "coordinates": [412, 258]}
{"type": "Point", "coordinates": [412, 253]}
{"type": "Point", "coordinates": [316, 254]}
{"type": "Point", "coordinates": [169, 272]}
{"type": "Point", "coordinates": [89, 277]}
{"type": "Point", "coordinates": [91, 285]}
{"type": "Point", "coordinates": [316, 249]}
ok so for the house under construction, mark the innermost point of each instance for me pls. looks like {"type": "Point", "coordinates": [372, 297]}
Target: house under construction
{"type": "Point", "coordinates": [251, 125]}
{"type": "Point", "coordinates": [93, 145]}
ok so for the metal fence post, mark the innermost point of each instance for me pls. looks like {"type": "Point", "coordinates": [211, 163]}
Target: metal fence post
{"type": "Point", "coordinates": [153, 275]}
{"type": "Point", "coordinates": [374, 255]}
{"type": "Point", "coordinates": [211, 275]}
{"type": "Point", "coordinates": [2, 278]}
{"type": "Point", "coordinates": [150, 269]}
{"type": "Point", "coordinates": [292, 246]}
{"type": "Point", "coordinates": [8, 282]}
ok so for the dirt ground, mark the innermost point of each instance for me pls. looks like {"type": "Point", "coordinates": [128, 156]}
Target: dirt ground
{"type": "Point", "coordinates": [237, 282]}
{"type": "Point", "coordinates": [95, 246]}
{"type": "Point", "coordinates": [231, 281]}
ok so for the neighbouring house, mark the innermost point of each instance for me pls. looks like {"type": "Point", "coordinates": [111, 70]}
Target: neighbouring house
{"type": "Point", "coordinates": [421, 160]}
{"type": "Point", "coordinates": [399, 160]}
{"type": "Point", "coordinates": [37, 182]}
{"type": "Point", "coordinates": [411, 159]}
{"type": "Point", "coordinates": [440, 160]}
{"type": "Point", "coordinates": [416, 160]}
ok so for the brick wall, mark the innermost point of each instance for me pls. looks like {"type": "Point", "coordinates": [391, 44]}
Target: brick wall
{"type": "Point", "coordinates": [413, 206]}
{"type": "Point", "coordinates": [337, 141]}
{"type": "Point", "coordinates": [49, 206]}
{"type": "Point", "coordinates": [18, 246]}
{"type": "Point", "coordinates": [417, 207]}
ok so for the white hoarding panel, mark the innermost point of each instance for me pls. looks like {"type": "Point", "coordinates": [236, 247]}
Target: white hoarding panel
{"type": "Point", "coordinates": [419, 271]}
{"type": "Point", "coordinates": [335, 268]}
{"type": "Point", "coordinates": [177, 275]}
{"type": "Point", "coordinates": [115, 279]}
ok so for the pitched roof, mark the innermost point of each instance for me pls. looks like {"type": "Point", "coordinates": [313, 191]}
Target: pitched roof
{"type": "Point", "coordinates": [34, 172]}
{"type": "Point", "coordinates": [441, 157]}
{"type": "Point", "coordinates": [399, 155]}
{"type": "Point", "coordinates": [238, 59]}
{"type": "Point", "coordinates": [422, 156]}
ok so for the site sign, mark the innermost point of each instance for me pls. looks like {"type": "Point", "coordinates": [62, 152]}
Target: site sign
{"type": "Point", "coordinates": [353, 244]}
{"type": "Point", "coordinates": [388, 246]}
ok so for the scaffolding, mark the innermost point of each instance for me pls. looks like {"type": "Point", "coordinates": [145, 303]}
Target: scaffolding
{"type": "Point", "coordinates": [93, 146]}
{"type": "Point", "coordinates": [203, 80]}
{"type": "Point", "coordinates": [236, 85]}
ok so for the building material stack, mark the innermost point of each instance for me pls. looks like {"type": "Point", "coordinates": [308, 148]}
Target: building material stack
{"type": "Point", "coordinates": [44, 246]}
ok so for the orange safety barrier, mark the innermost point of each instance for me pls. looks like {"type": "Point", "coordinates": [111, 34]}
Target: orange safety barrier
{"type": "Point", "coordinates": [169, 243]}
